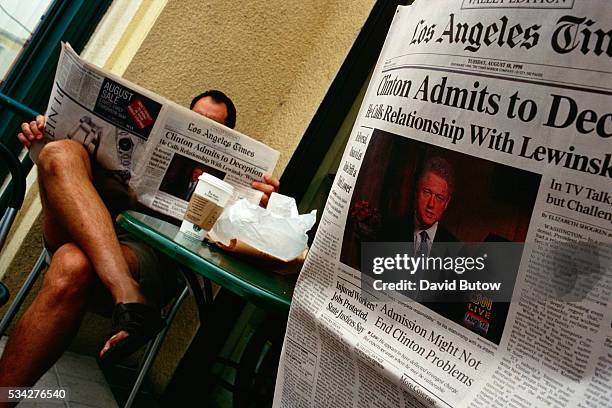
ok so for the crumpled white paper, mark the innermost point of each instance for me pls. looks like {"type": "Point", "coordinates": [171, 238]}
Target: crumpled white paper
{"type": "Point", "coordinates": [277, 230]}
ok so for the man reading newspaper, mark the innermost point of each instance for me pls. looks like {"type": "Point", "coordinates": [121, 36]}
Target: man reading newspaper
{"type": "Point", "coordinates": [92, 265]}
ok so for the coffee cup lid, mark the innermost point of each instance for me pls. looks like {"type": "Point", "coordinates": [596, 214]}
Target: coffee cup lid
{"type": "Point", "coordinates": [217, 182]}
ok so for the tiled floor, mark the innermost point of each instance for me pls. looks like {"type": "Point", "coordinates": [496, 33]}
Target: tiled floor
{"type": "Point", "coordinates": [81, 376]}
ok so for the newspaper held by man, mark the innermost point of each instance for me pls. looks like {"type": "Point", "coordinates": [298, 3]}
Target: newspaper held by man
{"type": "Point", "coordinates": [463, 258]}
{"type": "Point", "coordinates": [154, 148]}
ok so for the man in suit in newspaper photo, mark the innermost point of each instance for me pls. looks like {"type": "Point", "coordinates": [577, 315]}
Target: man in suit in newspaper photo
{"type": "Point", "coordinates": [433, 194]}
{"type": "Point", "coordinates": [434, 191]}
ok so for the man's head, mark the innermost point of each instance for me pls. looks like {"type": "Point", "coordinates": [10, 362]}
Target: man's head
{"type": "Point", "coordinates": [196, 172]}
{"type": "Point", "coordinates": [215, 105]}
{"type": "Point", "coordinates": [434, 190]}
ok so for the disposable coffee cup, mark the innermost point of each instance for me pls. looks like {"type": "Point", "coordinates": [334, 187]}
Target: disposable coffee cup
{"type": "Point", "coordinates": [206, 205]}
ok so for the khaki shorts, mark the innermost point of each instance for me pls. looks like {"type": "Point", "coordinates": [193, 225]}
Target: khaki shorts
{"type": "Point", "coordinates": [159, 276]}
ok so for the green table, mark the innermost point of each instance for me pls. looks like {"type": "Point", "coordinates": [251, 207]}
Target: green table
{"type": "Point", "coordinates": [262, 287]}
{"type": "Point", "coordinates": [242, 280]}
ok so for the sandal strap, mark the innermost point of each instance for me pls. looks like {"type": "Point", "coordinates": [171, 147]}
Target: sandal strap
{"type": "Point", "coordinates": [137, 319]}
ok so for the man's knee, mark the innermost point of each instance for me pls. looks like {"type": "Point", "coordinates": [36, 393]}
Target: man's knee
{"type": "Point", "coordinates": [61, 156]}
{"type": "Point", "coordinates": [70, 273]}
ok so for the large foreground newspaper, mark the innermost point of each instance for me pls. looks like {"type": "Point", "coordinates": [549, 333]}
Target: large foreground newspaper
{"type": "Point", "coordinates": [483, 144]}
{"type": "Point", "coordinates": [147, 149]}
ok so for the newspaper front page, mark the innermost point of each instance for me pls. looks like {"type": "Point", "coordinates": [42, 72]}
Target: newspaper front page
{"type": "Point", "coordinates": [152, 148]}
{"type": "Point", "coordinates": [484, 135]}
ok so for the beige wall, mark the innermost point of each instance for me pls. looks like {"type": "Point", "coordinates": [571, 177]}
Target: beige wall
{"type": "Point", "coordinates": [275, 59]}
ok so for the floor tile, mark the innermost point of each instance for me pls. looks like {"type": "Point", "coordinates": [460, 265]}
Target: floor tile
{"type": "Point", "coordinates": [87, 392]}
{"type": "Point", "coordinates": [81, 366]}
{"type": "Point", "coordinates": [48, 380]}
{"type": "Point", "coordinates": [83, 379]}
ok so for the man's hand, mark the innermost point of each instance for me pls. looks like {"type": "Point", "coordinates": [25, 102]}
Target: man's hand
{"type": "Point", "coordinates": [32, 132]}
{"type": "Point", "coordinates": [269, 186]}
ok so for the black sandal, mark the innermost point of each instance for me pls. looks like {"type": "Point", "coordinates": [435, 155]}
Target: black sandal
{"type": "Point", "coordinates": [142, 322]}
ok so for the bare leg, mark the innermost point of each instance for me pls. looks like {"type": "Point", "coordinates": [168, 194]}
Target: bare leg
{"type": "Point", "coordinates": [73, 203]}
{"type": "Point", "coordinates": [52, 320]}
{"type": "Point", "coordinates": [55, 235]}
{"type": "Point", "coordinates": [48, 326]}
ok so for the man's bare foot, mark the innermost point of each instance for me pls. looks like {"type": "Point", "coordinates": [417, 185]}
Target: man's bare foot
{"type": "Point", "coordinates": [116, 338]}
